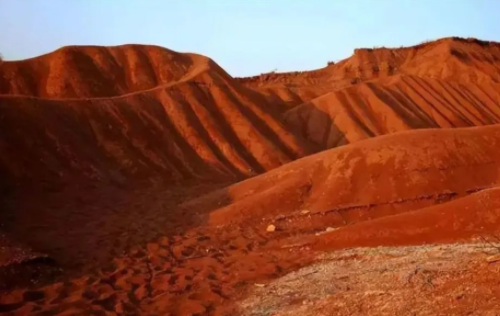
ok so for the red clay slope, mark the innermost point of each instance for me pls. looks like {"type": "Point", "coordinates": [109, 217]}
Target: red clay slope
{"type": "Point", "coordinates": [13, 253]}
{"type": "Point", "coordinates": [19, 264]}
{"type": "Point", "coordinates": [394, 104]}
{"type": "Point", "coordinates": [199, 123]}
{"type": "Point", "coordinates": [451, 59]}
{"type": "Point", "coordinates": [96, 71]}
{"type": "Point", "coordinates": [476, 215]}
{"type": "Point", "coordinates": [373, 178]}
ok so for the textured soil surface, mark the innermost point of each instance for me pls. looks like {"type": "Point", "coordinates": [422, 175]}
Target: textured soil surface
{"type": "Point", "coordinates": [135, 180]}
{"type": "Point", "coordinates": [454, 279]}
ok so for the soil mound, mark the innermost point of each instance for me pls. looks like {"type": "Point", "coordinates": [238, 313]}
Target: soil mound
{"type": "Point", "coordinates": [461, 60]}
{"type": "Point", "coordinates": [373, 178]}
{"type": "Point", "coordinates": [199, 124]}
{"type": "Point", "coordinates": [98, 71]}
{"type": "Point", "coordinates": [394, 104]}
{"type": "Point", "coordinates": [476, 215]}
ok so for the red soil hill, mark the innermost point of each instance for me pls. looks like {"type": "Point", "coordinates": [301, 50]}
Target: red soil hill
{"type": "Point", "coordinates": [451, 59]}
{"type": "Point", "coordinates": [476, 215]}
{"type": "Point", "coordinates": [366, 180]}
{"type": "Point", "coordinates": [132, 115]}
{"type": "Point", "coordinates": [194, 121]}
{"type": "Point", "coordinates": [97, 71]}
{"type": "Point", "coordinates": [394, 104]}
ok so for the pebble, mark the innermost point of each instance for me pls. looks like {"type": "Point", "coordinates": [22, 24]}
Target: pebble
{"type": "Point", "coordinates": [492, 259]}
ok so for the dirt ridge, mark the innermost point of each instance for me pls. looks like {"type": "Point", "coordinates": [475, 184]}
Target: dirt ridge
{"type": "Point", "coordinates": [395, 104]}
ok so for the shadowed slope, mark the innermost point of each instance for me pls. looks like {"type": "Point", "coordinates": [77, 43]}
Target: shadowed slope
{"type": "Point", "coordinates": [14, 253]}
{"type": "Point", "coordinates": [20, 265]}
{"type": "Point", "coordinates": [394, 104]}
{"type": "Point", "coordinates": [180, 116]}
{"type": "Point", "coordinates": [82, 152]}
{"type": "Point", "coordinates": [184, 131]}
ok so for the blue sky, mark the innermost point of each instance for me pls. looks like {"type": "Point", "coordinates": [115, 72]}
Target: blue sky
{"type": "Point", "coordinates": [245, 37]}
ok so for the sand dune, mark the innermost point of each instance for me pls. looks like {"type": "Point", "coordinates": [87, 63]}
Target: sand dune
{"type": "Point", "coordinates": [391, 105]}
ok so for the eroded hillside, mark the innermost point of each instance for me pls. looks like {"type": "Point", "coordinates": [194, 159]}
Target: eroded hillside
{"type": "Point", "coordinates": [121, 175]}
{"type": "Point", "coordinates": [189, 120]}
{"type": "Point", "coordinates": [394, 104]}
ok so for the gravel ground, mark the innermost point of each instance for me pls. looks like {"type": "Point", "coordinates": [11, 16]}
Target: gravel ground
{"type": "Point", "coordinates": [453, 279]}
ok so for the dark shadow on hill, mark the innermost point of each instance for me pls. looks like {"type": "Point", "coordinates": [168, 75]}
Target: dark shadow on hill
{"type": "Point", "coordinates": [84, 229]}
{"type": "Point", "coordinates": [22, 266]}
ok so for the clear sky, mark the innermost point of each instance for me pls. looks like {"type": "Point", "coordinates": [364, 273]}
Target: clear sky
{"type": "Point", "coordinates": [245, 37]}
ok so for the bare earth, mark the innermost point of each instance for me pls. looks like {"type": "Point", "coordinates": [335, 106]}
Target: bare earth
{"type": "Point", "coordinates": [452, 279]}
{"type": "Point", "coordinates": [135, 180]}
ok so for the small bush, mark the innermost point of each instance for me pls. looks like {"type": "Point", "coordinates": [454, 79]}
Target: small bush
{"type": "Point", "coordinates": [330, 63]}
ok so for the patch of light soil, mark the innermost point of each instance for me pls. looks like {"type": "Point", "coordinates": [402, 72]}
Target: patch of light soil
{"type": "Point", "coordinates": [452, 279]}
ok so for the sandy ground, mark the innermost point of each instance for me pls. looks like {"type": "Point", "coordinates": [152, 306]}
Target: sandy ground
{"type": "Point", "coordinates": [198, 272]}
